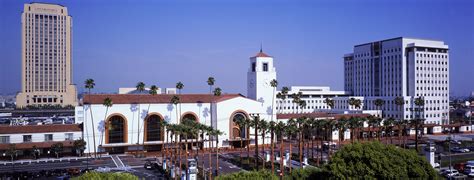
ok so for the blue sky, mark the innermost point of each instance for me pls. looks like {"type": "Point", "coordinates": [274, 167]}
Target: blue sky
{"type": "Point", "coordinates": [119, 43]}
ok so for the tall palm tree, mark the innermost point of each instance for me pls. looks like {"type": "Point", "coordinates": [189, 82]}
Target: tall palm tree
{"type": "Point", "coordinates": [216, 133]}
{"type": "Point", "coordinates": [263, 128]}
{"type": "Point", "coordinates": [209, 133]}
{"type": "Point", "coordinates": [291, 128]}
{"type": "Point", "coordinates": [388, 127]}
{"type": "Point", "coordinates": [211, 81]}
{"type": "Point", "coordinates": [341, 125]}
{"type": "Point", "coordinates": [322, 134]}
{"type": "Point", "coordinates": [89, 84]}
{"type": "Point", "coordinates": [372, 122]}
{"type": "Point", "coordinates": [107, 103]}
{"type": "Point", "coordinates": [140, 88]}
{"type": "Point", "coordinates": [300, 125]}
{"type": "Point", "coordinates": [272, 127]}
{"type": "Point", "coordinates": [163, 127]}
{"type": "Point", "coordinates": [254, 123]}
{"type": "Point", "coordinates": [240, 121]}
{"type": "Point", "coordinates": [274, 84]}
{"type": "Point", "coordinates": [351, 102]}
{"type": "Point", "coordinates": [280, 129]}
{"type": "Point", "coordinates": [179, 86]}
{"type": "Point", "coordinates": [283, 94]}
{"type": "Point", "coordinates": [420, 103]}
{"type": "Point", "coordinates": [379, 103]}
{"type": "Point", "coordinates": [248, 123]}
{"type": "Point", "coordinates": [400, 102]}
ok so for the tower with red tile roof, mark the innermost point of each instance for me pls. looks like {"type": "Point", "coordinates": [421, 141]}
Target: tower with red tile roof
{"type": "Point", "coordinates": [261, 72]}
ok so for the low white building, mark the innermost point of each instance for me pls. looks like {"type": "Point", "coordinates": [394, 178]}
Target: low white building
{"type": "Point", "coordinates": [132, 121]}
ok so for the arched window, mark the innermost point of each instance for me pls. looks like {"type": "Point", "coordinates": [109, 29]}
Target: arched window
{"type": "Point", "coordinates": [116, 129]}
{"type": "Point", "coordinates": [153, 128]}
{"type": "Point", "coordinates": [236, 130]}
{"type": "Point", "coordinates": [189, 116]}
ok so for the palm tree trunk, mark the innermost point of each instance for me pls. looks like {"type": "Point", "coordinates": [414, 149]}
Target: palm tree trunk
{"type": "Point", "coordinates": [210, 158]}
{"type": "Point", "coordinates": [93, 127]}
{"type": "Point", "coordinates": [281, 155]}
{"type": "Point", "coordinates": [256, 144]}
{"type": "Point", "coordinates": [263, 147]}
{"type": "Point", "coordinates": [217, 155]}
{"type": "Point", "coordinates": [300, 144]}
{"type": "Point", "coordinates": [272, 150]}
{"type": "Point", "coordinates": [241, 146]}
{"type": "Point", "coordinates": [289, 163]}
{"type": "Point", "coordinates": [186, 153]}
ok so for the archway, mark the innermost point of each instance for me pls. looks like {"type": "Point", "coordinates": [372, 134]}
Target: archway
{"type": "Point", "coordinates": [238, 135]}
{"type": "Point", "coordinates": [154, 131]}
{"type": "Point", "coordinates": [189, 116]}
{"type": "Point", "coordinates": [116, 129]}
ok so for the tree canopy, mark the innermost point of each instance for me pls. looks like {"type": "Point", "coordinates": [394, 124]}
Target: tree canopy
{"type": "Point", "coordinates": [374, 160]}
{"type": "Point", "coordinates": [106, 176]}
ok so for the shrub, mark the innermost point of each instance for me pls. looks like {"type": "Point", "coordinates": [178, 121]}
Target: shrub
{"type": "Point", "coordinates": [374, 160]}
{"type": "Point", "coordinates": [106, 176]}
{"type": "Point", "coordinates": [254, 175]}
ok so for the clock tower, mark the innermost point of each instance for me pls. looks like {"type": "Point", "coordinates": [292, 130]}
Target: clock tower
{"type": "Point", "coordinates": [259, 76]}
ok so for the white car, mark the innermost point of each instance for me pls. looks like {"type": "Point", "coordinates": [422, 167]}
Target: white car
{"type": "Point", "coordinates": [450, 172]}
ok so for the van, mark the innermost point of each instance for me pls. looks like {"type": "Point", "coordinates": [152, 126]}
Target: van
{"type": "Point", "coordinates": [469, 170]}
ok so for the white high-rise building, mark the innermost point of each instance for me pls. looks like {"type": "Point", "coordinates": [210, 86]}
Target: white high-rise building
{"type": "Point", "coordinates": [401, 67]}
{"type": "Point", "coordinates": [259, 77]}
{"type": "Point", "coordinates": [46, 71]}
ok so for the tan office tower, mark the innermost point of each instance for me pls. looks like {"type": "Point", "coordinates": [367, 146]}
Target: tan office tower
{"type": "Point", "coordinates": [46, 56]}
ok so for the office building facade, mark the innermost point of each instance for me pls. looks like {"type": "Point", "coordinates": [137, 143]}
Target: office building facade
{"type": "Point", "coordinates": [401, 67]}
{"type": "Point", "coordinates": [46, 56]}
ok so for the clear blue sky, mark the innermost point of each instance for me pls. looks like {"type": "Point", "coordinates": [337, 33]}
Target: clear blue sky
{"type": "Point", "coordinates": [119, 43]}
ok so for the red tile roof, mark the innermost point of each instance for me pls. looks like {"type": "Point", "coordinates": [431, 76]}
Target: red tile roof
{"type": "Point", "coordinates": [40, 128]}
{"type": "Point", "coordinates": [37, 144]}
{"type": "Point", "coordinates": [262, 54]}
{"type": "Point", "coordinates": [156, 99]}
{"type": "Point", "coordinates": [319, 115]}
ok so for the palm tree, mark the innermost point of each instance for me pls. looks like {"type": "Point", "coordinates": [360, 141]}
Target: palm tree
{"type": "Point", "coordinates": [274, 84]}
{"type": "Point", "coordinates": [290, 130]}
{"type": "Point", "coordinates": [216, 133]}
{"type": "Point", "coordinates": [321, 124]}
{"type": "Point", "coordinates": [179, 86]}
{"type": "Point", "coordinates": [164, 130]}
{"type": "Point", "coordinates": [341, 125]}
{"type": "Point", "coordinates": [400, 102]}
{"type": "Point", "coordinates": [372, 122]}
{"type": "Point", "coordinates": [107, 103]}
{"type": "Point", "coordinates": [153, 91]}
{"type": "Point", "coordinates": [272, 127]}
{"type": "Point", "coordinates": [379, 103]}
{"type": "Point", "coordinates": [248, 123]}
{"type": "Point", "coordinates": [254, 124]}
{"type": "Point", "coordinates": [186, 131]}
{"type": "Point", "coordinates": [351, 102]}
{"type": "Point", "coordinates": [89, 84]}
{"type": "Point", "coordinates": [263, 128]}
{"type": "Point", "coordinates": [388, 127]}
{"type": "Point", "coordinates": [299, 124]}
{"type": "Point", "coordinates": [283, 94]}
{"type": "Point", "coordinates": [420, 103]}
{"type": "Point", "coordinates": [280, 130]}
{"type": "Point", "coordinates": [209, 133]}
{"type": "Point", "coordinates": [140, 88]}
{"type": "Point", "coordinates": [211, 81]}
{"type": "Point", "coordinates": [329, 102]}
{"type": "Point", "coordinates": [240, 121]}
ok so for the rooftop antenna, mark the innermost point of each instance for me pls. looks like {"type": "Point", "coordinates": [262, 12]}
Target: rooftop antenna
{"type": "Point", "coordinates": [261, 47]}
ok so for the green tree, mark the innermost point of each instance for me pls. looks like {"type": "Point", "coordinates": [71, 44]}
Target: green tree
{"type": "Point", "coordinates": [106, 176]}
{"type": "Point", "coordinates": [254, 175]}
{"type": "Point", "coordinates": [107, 103]}
{"type": "Point", "coordinates": [140, 87]}
{"type": "Point", "coordinates": [79, 146]}
{"type": "Point", "coordinates": [57, 149]}
{"type": "Point", "coordinates": [374, 160]}
{"type": "Point", "coordinates": [280, 131]}
{"type": "Point", "coordinates": [89, 84]}
{"type": "Point", "coordinates": [400, 103]}
{"type": "Point", "coordinates": [263, 128]}
{"type": "Point", "coordinates": [329, 102]}
{"type": "Point", "coordinates": [388, 128]}
{"type": "Point", "coordinates": [272, 127]}
{"type": "Point", "coordinates": [419, 120]}
{"type": "Point", "coordinates": [290, 129]}
{"type": "Point", "coordinates": [379, 103]}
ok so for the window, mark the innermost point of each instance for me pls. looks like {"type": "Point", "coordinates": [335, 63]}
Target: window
{"type": "Point", "coordinates": [265, 66]}
{"type": "Point", "coordinates": [69, 136]}
{"type": "Point", "coordinates": [48, 137]}
{"type": "Point", "coordinates": [253, 67]}
{"type": "Point", "coordinates": [26, 138]}
{"type": "Point", "coordinates": [4, 139]}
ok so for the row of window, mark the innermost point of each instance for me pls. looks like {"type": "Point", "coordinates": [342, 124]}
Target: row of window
{"type": "Point", "coordinates": [28, 138]}
{"type": "Point", "coordinates": [431, 55]}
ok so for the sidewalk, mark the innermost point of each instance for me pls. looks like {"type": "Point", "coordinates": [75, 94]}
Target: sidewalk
{"type": "Point", "coordinates": [22, 161]}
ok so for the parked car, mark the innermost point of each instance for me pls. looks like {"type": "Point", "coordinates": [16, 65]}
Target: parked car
{"type": "Point", "coordinates": [459, 176]}
{"type": "Point", "coordinates": [459, 150]}
{"type": "Point", "coordinates": [456, 142]}
{"type": "Point", "coordinates": [148, 165]}
{"type": "Point", "coordinates": [450, 172]}
{"type": "Point", "coordinates": [469, 170]}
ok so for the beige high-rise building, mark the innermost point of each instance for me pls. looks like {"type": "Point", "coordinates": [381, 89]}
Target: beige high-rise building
{"type": "Point", "coordinates": [46, 56]}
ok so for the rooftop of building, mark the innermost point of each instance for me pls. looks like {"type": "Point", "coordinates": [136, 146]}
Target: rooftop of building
{"type": "Point", "coordinates": [401, 37]}
{"type": "Point", "coordinates": [156, 99]}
